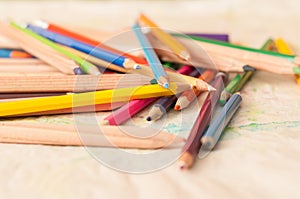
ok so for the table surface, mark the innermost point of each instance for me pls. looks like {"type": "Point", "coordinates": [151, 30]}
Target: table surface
{"type": "Point", "coordinates": [259, 154]}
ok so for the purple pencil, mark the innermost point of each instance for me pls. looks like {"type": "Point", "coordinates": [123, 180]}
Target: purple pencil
{"type": "Point", "coordinates": [219, 37]}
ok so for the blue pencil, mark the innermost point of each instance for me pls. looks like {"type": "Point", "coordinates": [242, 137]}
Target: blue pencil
{"type": "Point", "coordinates": [213, 133]}
{"type": "Point", "coordinates": [86, 48]}
{"type": "Point", "coordinates": [156, 66]}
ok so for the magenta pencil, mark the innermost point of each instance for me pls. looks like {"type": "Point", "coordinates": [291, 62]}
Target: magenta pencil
{"type": "Point", "coordinates": [127, 111]}
{"type": "Point", "coordinates": [185, 69]}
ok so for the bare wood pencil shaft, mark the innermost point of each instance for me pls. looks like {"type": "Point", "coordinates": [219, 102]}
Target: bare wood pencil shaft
{"type": "Point", "coordinates": [70, 83]}
{"type": "Point", "coordinates": [39, 49]}
{"type": "Point", "coordinates": [67, 135]}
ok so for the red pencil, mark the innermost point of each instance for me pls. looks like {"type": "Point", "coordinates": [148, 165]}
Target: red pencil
{"type": "Point", "coordinates": [63, 31]}
{"type": "Point", "coordinates": [192, 145]}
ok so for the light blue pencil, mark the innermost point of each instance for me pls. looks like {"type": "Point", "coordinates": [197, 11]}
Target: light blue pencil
{"type": "Point", "coordinates": [215, 129]}
{"type": "Point", "coordinates": [156, 66]}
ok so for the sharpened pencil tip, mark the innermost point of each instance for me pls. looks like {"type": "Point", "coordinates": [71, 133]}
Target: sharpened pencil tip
{"type": "Point", "coordinates": [105, 122]}
{"type": "Point", "coordinates": [136, 66]}
{"type": "Point", "coordinates": [166, 85]}
{"type": "Point", "coordinates": [148, 119]}
{"type": "Point", "coordinates": [210, 88]}
{"type": "Point", "coordinates": [177, 108]}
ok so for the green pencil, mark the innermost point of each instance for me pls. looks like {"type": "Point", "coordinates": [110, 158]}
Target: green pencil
{"type": "Point", "coordinates": [227, 92]}
{"type": "Point", "coordinates": [220, 43]}
{"type": "Point", "coordinates": [85, 66]}
{"type": "Point", "coordinates": [239, 81]}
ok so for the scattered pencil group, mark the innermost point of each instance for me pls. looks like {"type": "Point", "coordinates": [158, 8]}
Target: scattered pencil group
{"type": "Point", "coordinates": [107, 78]}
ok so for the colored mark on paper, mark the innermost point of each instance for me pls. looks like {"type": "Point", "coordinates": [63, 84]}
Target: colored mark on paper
{"type": "Point", "coordinates": [233, 132]}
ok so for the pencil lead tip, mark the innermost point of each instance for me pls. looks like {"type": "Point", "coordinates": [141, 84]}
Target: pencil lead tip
{"type": "Point", "coordinates": [210, 88]}
{"type": "Point", "coordinates": [166, 85]}
{"type": "Point", "coordinates": [177, 108]}
{"type": "Point", "coordinates": [104, 122]}
{"type": "Point", "coordinates": [148, 119]}
{"type": "Point", "coordinates": [136, 66]}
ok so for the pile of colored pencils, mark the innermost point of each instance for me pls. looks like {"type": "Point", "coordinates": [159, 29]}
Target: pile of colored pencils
{"type": "Point", "coordinates": [58, 71]}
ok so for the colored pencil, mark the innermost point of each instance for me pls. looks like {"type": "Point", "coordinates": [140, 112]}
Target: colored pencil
{"type": "Point", "coordinates": [90, 98]}
{"type": "Point", "coordinates": [214, 36]}
{"type": "Point", "coordinates": [249, 71]}
{"type": "Point", "coordinates": [133, 107]}
{"type": "Point", "coordinates": [175, 77]}
{"type": "Point", "coordinates": [161, 107]}
{"type": "Point", "coordinates": [156, 66]}
{"type": "Point", "coordinates": [10, 53]}
{"type": "Point", "coordinates": [192, 146]}
{"type": "Point", "coordinates": [165, 38]}
{"type": "Point", "coordinates": [260, 59]}
{"type": "Point", "coordinates": [80, 109]}
{"type": "Point", "coordinates": [164, 104]}
{"type": "Point", "coordinates": [239, 81]}
{"type": "Point", "coordinates": [283, 47]}
{"type": "Point", "coordinates": [189, 96]}
{"type": "Point", "coordinates": [217, 126]}
{"type": "Point", "coordinates": [228, 90]}
{"type": "Point", "coordinates": [270, 45]}
{"type": "Point", "coordinates": [185, 69]}
{"type": "Point", "coordinates": [74, 35]}
{"type": "Point", "coordinates": [95, 60]}
{"type": "Point", "coordinates": [67, 135]}
{"type": "Point", "coordinates": [86, 48]}
{"type": "Point", "coordinates": [127, 111]}
{"type": "Point", "coordinates": [239, 47]}
{"type": "Point", "coordinates": [199, 57]}
{"type": "Point", "coordinates": [84, 65]}
{"type": "Point", "coordinates": [39, 50]}
{"type": "Point", "coordinates": [69, 83]}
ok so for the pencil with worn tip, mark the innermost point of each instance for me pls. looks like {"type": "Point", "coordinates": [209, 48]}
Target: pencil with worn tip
{"type": "Point", "coordinates": [217, 126]}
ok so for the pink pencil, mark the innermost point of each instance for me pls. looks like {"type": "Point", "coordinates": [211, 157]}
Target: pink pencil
{"type": "Point", "coordinates": [185, 69]}
{"type": "Point", "coordinates": [127, 111]}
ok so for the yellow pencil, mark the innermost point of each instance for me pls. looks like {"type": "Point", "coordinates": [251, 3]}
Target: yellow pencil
{"type": "Point", "coordinates": [165, 38]}
{"type": "Point", "coordinates": [89, 98]}
{"type": "Point", "coordinates": [282, 47]}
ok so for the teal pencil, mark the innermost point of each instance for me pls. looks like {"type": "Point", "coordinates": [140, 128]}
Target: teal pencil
{"type": "Point", "coordinates": [217, 126]}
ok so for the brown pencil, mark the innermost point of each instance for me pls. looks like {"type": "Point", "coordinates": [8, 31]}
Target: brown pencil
{"type": "Point", "coordinates": [69, 83]}
{"type": "Point", "coordinates": [67, 135]}
{"type": "Point", "coordinates": [38, 49]}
